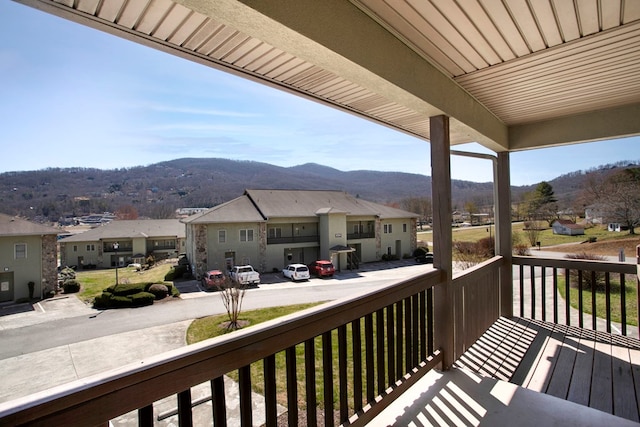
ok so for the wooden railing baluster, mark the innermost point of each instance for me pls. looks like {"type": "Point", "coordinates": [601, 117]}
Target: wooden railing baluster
{"type": "Point", "coordinates": [145, 416]}
{"type": "Point", "coordinates": [327, 371]}
{"type": "Point", "coordinates": [244, 384]}
{"type": "Point", "coordinates": [399, 339]}
{"type": "Point", "coordinates": [623, 304]}
{"type": "Point", "coordinates": [270, 403]}
{"type": "Point", "coordinates": [356, 334]}
{"type": "Point", "coordinates": [342, 373]}
{"type": "Point", "coordinates": [391, 359]}
{"type": "Point", "coordinates": [218, 402]}
{"type": "Point", "coordinates": [380, 353]}
{"type": "Point", "coordinates": [292, 386]}
{"type": "Point", "coordinates": [369, 352]}
{"type": "Point", "coordinates": [310, 381]}
{"type": "Point", "coordinates": [185, 416]}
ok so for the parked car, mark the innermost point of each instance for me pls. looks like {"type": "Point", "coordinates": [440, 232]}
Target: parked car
{"type": "Point", "coordinates": [296, 272]}
{"type": "Point", "coordinates": [244, 275]}
{"type": "Point", "coordinates": [213, 279]}
{"type": "Point", "coordinates": [322, 268]}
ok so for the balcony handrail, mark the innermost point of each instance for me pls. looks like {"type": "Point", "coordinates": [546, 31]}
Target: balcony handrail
{"type": "Point", "coordinates": [96, 399]}
{"type": "Point", "coordinates": [578, 264]}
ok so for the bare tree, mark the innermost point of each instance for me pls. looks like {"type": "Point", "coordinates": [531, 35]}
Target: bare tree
{"type": "Point", "coordinates": [532, 230]}
{"type": "Point", "coordinates": [617, 196]}
{"type": "Point", "coordinates": [232, 294]}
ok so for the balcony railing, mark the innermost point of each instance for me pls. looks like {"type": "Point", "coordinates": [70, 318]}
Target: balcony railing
{"type": "Point", "coordinates": [354, 236]}
{"type": "Point", "coordinates": [559, 290]}
{"type": "Point", "coordinates": [371, 348]}
{"type": "Point", "coordinates": [293, 239]}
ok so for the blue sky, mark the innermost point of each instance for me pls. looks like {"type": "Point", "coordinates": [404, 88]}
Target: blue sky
{"type": "Point", "coordinates": [76, 97]}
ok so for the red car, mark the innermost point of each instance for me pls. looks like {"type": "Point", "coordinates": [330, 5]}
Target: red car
{"type": "Point", "coordinates": [213, 279]}
{"type": "Point", "coordinates": [322, 268]}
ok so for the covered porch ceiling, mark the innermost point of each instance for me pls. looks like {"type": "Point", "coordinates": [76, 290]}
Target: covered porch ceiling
{"type": "Point", "coordinates": [511, 74]}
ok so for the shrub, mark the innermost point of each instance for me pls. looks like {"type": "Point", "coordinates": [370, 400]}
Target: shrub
{"type": "Point", "coordinates": [133, 295]}
{"type": "Point", "coordinates": [71, 286]}
{"type": "Point", "coordinates": [176, 272]}
{"type": "Point", "coordinates": [142, 298]}
{"type": "Point", "coordinates": [124, 289]}
{"type": "Point", "coordinates": [420, 251]}
{"type": "Point", "coordinates": [67, 273]}
{"type": "Point", "coordinates": [158, 290]}
{"type": "Point", "coordinates": [593, 282]}
{"type": "Point", "coordinates": [118, 301]}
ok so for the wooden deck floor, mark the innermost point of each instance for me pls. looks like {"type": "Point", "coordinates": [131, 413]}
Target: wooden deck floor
{"type": "Point", "coordinates": [590, 368]}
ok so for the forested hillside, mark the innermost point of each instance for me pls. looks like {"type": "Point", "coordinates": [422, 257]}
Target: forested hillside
{"type": "Point", "coordinates": [157, 190]}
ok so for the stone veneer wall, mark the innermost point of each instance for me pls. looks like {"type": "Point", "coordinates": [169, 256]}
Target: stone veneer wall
{"type": "Point", "coordinates": [200, 236]}
{"type": "Point", "coordinates": [414, 235]}
{"type": "Point", "coordinates": [262, 246]}
{"type": "Point", "coordinates": [378, 228]}
{"type": "Point", "coordinates": [49, 262]}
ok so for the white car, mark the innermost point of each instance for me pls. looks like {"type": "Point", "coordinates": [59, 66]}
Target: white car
{"type": "Point", "coordinates": [296, 272]}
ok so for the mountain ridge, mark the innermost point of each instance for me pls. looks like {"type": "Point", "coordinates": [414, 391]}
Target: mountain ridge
{"type": "Point", "coordinates": [158, 189]}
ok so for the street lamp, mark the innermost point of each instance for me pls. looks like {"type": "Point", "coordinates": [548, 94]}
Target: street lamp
{"type": "Point", "coordinates": [115, 248]}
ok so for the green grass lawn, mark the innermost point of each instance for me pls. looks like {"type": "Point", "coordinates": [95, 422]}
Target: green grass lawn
{"type": "Point", "coordinates": [209, 327]}
{"type": "Point", "coordinates": [546, 237]}
{"type": "Point", "coordinates": [631, 300]}
{"type": "Point", "coordinates": [93, 282]}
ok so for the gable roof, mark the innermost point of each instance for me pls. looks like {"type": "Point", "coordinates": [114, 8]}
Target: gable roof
{"type": "Point", "coordinates": [261, 205]}
{"type": "Point", "coordinates": [14, 226]}
{"type": "Point", "coordinates": [120, 229]}
{"type": "Point", "coordinates": [568, 223]}
{"type": "Point", "coordinates": [240, 209]}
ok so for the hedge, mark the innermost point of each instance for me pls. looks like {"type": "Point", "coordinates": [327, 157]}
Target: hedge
{"type": "Point", "coordinates": [130, 295]}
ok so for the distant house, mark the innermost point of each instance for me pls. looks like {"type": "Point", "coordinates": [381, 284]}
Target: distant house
{"type": "Point", "coordinates": [566, 227]}
{"type": "Point", "coordinates": [593, 215]}
{"type": "Point", "coordinates": [617, 227]}
{"type": "Point", "coordinates": [136, 239]}
{"type": "Point", "coordinates": [272, 228]}
{"type": "Point", "coordinates": [28, 253]}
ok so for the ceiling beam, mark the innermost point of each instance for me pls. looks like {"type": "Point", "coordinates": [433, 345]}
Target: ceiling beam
{"type": "Point", "coordinates": [339, 37]}
{"type": "Point", "coordinates": [612, 123]}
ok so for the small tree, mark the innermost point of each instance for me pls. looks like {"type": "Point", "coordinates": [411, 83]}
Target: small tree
{"type": "Point", "coordinates": [590, 280]}
{"type": "Point", "coordinates": [532, 230]}
{"type": "Point", "coordinates": [232, 294]}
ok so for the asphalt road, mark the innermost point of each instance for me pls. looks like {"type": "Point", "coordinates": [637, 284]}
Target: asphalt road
{"type": "Point", "coordinates": [194, 304]}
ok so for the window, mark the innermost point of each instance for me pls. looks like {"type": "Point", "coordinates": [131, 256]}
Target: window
{"type": "Point", "coordinates": [91, 248]}
{"type": "Point", "coordinates": [20, 250]}
{"type": "Point", "coordinates": [275, 232]}
{"type": "Point", "coordinates": [358, 229]}
{"type": "Point", "coordinates": [387, 229]}
{"type": "Point", "coordinates": [404, 228]}
{"type": "Point", "coordinates": [75, 248]}
{"type": "Point", "coordinates": [222, 236]}
{"type": "Point", "coordinates": [246, 235]}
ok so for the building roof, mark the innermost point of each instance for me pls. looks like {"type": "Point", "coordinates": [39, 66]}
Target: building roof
{"type": "Point", "coordinates": [261, 205]}
{"type": "Point", "coordinates": [14, 226]}
{"type": "Point", "coordinates": [568, 223]}
{"type": "Point", "coordinates": [121, 229]}
{"type": "Point", "coordinates": [240, 209]}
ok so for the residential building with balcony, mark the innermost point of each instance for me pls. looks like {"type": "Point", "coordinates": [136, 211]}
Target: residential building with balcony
{"type": "Point", "coordinates": [272, 228]}
{"type": "Point", "coordinates": [136, 240]}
